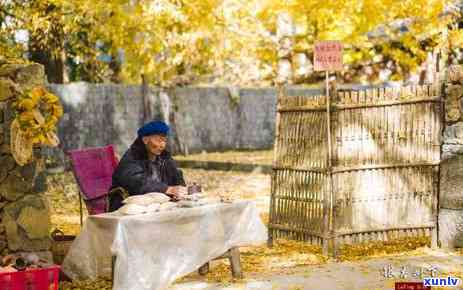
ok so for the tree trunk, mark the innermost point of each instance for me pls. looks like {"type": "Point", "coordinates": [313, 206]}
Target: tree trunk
{"type": "Point", "coordinates": [47, 48]}
{"type": "Point", "coordinates": [115, 67]}
{"type": "Point", "coordinates": [54, 66]}
{"type": "Point", "coordinates": [146, 99]}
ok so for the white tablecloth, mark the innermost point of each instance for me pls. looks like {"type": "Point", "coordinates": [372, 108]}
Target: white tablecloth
{"type": "Point", "coordinates": [155, 249]}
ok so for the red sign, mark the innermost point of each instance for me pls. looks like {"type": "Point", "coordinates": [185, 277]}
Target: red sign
{"type": "Point", "coordinates": [327, 56]}
{"type": "Point", "coordinates": [411, 286]}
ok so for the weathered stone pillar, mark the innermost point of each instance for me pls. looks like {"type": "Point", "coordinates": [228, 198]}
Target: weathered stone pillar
{"type": "Point", "coordinates": [451, 177]}
{"type": "Point", "coordinates": [24, 210]}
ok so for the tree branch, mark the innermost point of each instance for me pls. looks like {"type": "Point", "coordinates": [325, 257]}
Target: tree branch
{"type": "Point", "coordinates": [5, 12]}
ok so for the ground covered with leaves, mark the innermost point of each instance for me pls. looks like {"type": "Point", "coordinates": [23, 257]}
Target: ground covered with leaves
{"type": "Point", "coordinates": [63, 195]}
{"type": "Point", "coordinates": [63, 192]}
{"type": "Point", "coordinates": [284, 258]}
{"type": "Point", "coordinates": [255, 157]}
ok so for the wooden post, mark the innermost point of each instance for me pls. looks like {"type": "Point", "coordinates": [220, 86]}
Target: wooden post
{"type": "Point", "coordinates": [442, 78]}
{"type": "Point", "coordinates": [81, 213]}
{"type": "Point", "coordinates": [435, 208]}
{"type": "Point", "coordinates": [285, 32]}
{"type": "Point", "coordinates": [204, 269]}
{"type": "Point", "coordinates": [233, 255]}
{"type": "Point", "coordinates": [328, 200]}
{"type": "Point", "coordinates": [235, 263]}
{"type": "Point", "coordinates": [113, 268]}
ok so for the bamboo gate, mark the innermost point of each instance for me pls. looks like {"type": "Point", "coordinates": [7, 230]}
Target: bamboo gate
{"type": "Point", "coordinates": [380, 180]}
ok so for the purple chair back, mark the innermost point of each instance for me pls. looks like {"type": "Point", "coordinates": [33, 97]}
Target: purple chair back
{"type": "Point", "coordinates": [93, 169]}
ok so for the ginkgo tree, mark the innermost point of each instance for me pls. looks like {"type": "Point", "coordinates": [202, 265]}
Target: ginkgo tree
{"type": "Point", "coordinates": [403, 31]}
{"type": "Point", "coordinates": [159, 39]}
{"type": "Point", "coordinates": [173, 42]}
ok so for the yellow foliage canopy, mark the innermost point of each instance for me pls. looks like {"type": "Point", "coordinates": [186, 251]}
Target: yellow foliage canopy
{"type": "Point", "coordinates": [175, 41]}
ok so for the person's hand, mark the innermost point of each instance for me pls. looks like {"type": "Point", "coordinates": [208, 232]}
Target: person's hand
{"type": "Point", "coordinates": [176, 192]}
{"type": "Point", "coordinates": [171, 190]}
{"type": "Point", "coordinates": [182, 190]}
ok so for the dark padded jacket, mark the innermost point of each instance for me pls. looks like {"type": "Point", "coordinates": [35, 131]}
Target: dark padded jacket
{"type": "Point", "coordinates": [139, 175]}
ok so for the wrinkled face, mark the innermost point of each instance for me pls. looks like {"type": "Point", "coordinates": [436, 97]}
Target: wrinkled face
{"type": "Point", "coordinates": [155, 144]}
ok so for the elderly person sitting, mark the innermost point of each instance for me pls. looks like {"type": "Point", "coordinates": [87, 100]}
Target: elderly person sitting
{"type": "Point", "coordinates": [148, 167]}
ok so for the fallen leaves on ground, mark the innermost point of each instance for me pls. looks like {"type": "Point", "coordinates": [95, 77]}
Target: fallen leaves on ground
{"type": "Point", "coordinates": [287, 255]}
{"type": "Point", "coordinates": [257, 157]}
{"type": "Point", "coordinates": [265, 217]}
{"type": "Point", "coordinates": [403, 246]}
{"type": "Point", "coordinates": [283, 256]}
{"type": "Point", "coordinates": [86, 285]}
{"type": "Point", "coordinates": [63, 195]}
{"type": "Point", "coordinates": [63, 192]}
{"type": "Point", "coordinates": [447, 274]}
{"type": "Point", "coordinates": [240, 185]}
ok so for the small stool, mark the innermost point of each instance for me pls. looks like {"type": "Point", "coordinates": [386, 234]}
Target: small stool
{"type": "Point", "coordinates": [235, 263]}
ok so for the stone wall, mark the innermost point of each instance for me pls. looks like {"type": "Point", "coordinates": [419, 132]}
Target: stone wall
{"type": "Point", "coordinates": [216, 119]}
{"type": "Point", "coordinates": [451, 179]}
{"type": "Point", "coordinates": [202, 118]}
{"type": "Point", "coordinates": [97, 115]}
{"type": "Point", "coordinates": [24, 211]}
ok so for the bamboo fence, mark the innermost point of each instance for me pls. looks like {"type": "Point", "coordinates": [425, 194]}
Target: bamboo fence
{"type": "Point", "coordinates": [380, 181]}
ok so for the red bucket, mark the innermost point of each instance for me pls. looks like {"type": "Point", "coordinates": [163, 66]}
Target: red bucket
{"type": "Point", "coordinates": [31, 279]}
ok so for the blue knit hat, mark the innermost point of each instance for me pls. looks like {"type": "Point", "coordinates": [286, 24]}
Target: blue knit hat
{"type": "Point", "coordinates": [153, 128]}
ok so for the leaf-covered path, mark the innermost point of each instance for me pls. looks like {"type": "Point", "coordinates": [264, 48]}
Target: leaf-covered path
{"type": "Point", "coordinates": [349, 275]}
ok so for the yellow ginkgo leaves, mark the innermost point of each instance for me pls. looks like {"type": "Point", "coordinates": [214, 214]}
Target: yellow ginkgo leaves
{"type": "Point", "coordinates": [37, 113]}
{"type": "Point", "coordinates": [228, 41]}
